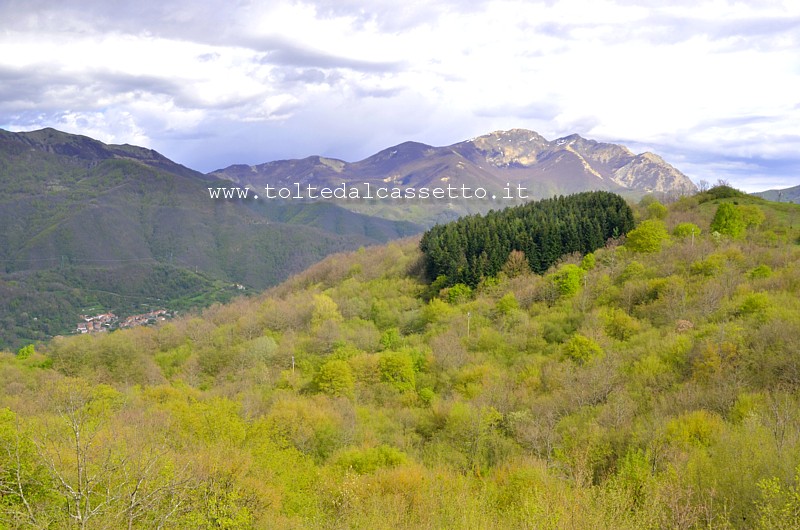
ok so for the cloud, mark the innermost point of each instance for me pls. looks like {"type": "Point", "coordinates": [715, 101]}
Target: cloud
{"type": "Point", "coordinates": [709, 83]}
{"type": "Point", "coordinates": [290, 55]}
{"type": "Point", "coordinates": [393, 16]}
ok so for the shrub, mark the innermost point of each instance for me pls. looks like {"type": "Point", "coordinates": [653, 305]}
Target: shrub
{"type": "Point", "coordinates": [684, 230]}
{"type": "Point", "coordinates": [507, 304]}
{"type": "Point", "coordinates": [335, 378]}
{"type": "Point", "coordinates": [426, 395]}
{"type": "Point", "coordinates": [391, 339]}
{"type": "Point", "coordinates": [647, 237]}
{"type": "Point", "coordinates": [756, 304]}
{"type": "Point", "coordinates": [363, 461]}
{"type": "Point", "coordinates": [710, 266]}
{"type": "Point", "coordinates": [697, 428]}
{"type": "Point", "coordinates": [620, 325]}
{"type": "Point", "coordinates": [656, 210]}
{"type": "Point", "coordinates": [632, 271]}
{"type": "Point", "coordinates": [751, 215]}
{"type": "Point", "coordinates": [568, 279]}
{"type": "Point", "coordinates": [459, 293]}
{"type": "Point", "coordinates": [25, 352]}
{"type": "Point", "coordinates": [728, 221]}
{"type": "Point", "coordinates": [397, 369]}
{"type": "Point", "coordinates": [582, 349]}
{"type": "Point", "coordinates": [762, 271]}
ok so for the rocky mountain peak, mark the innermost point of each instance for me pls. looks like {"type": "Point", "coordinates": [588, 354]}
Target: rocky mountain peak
{"type": "Point", "coordinates": [515, 147]}
{"type": "Point", "coordinates": [565, 165]}
{"type": "Point", "coordinates": [650, 172]}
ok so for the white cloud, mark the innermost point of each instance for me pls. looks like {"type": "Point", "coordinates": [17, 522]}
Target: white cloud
{"type": "Point", "coordinates": [695, 79]}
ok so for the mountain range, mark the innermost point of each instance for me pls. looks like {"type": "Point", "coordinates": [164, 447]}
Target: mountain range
{"type": "Point", "coordinates": [514, 158]}
{"type": "Point", "coordinates": [89, 226]}
{"type": "Point", "coordinates": [782, 195]}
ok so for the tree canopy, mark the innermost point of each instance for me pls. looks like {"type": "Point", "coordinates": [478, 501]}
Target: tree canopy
{"type": "Point", "coordinates": [478, 246]}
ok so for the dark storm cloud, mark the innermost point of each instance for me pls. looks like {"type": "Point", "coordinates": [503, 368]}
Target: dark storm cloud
{"type": "Point", "coordinates": [20, 87]}
{"type": "Point", "coordinates": [36, 87]}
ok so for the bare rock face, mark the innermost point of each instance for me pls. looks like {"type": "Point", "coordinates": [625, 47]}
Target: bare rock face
{"type": "Point", "coordinates": [517, 147]}
{"type": "Point", "coordinates": [518, 156]}
{"type": "Point", "coordinates": [649, 172]}
{"type": "Point", "coordinates": [615, 163]}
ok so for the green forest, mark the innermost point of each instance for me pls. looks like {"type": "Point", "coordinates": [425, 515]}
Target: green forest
{"type": "Point", "coordinates": [652, 383]}
{"type": "Point", "coordinates": [477, 247]}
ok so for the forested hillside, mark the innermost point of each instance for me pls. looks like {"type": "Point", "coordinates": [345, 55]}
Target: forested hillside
{"type": "Point", "coordinates": [477, 246]}
{"type": "Point", "coordinates": [87, 227]}
{"type": "Point", "coordinates": [651, 384]}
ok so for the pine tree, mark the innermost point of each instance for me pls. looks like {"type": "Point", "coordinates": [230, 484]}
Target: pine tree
{"type": "Point", "coordinates": [476, 247]}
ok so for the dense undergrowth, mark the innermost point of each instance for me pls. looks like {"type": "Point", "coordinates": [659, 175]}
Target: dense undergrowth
{"type": "Point", "coordinates": [653, 384]}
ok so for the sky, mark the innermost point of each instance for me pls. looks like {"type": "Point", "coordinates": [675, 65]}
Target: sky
{"type": "Point", "coordinates": [711, 86]}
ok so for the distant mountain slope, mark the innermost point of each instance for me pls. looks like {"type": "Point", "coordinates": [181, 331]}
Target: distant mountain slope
{"type": "Point", "coordinates": [785, 195]}
{"type": "Point", "coordinates": [72, 204]}
{"type": "Point", "coordinates": [517, 157]}
{"type": "Point", "coordinates": [73, 151]}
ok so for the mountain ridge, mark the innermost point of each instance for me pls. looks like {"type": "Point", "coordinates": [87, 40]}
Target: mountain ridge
{"type": "Point", "coordinates": [85, 224]}
{"type": "Point", "coordinates": [571, 163]}
{"type": "Point", "coordinates": [791, 194]}
{"type": "Point", "coordinates": [84, 148]}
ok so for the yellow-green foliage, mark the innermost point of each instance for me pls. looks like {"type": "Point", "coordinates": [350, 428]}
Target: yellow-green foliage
{"type": "Point", "coordinates": [660, 390]}
{"type": "Point", "coordinates": [683, 230]}
{"type": "Point", "coordinates": [752, 215]}
{"type": "Point", "coordinates": [397, 369]}
{"type": "Point", "coordinates": [728, 220]}
{"type": "Point", "coordinates": [779, 507]}
{"type": "Point", "coordinates": [364, 461]}
{"type": "Point", "coordinates": [335, 378]}
{"type": "Point", "coordinates": [507, 304]}
{"type": "Point", "coordinates": [647, 237]}
{"type": "Point", "coordinates": [656, 210]}
{"type": "Point", "coordinates": [762, 271]}
{"type": "Point", "coordinates": [620, 325]}
{"type": "Point", "coordinates": [567, 279]}
{"type": "Point", "coordinates": [582, 349]}
{"type": "Point", "coordinates": [697, 428]}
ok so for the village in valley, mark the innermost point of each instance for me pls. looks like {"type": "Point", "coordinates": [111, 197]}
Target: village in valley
{"type": "Point", "coordinates": [109, 321]}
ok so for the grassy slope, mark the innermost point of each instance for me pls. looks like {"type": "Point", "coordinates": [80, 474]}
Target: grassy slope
{"type": "Point", "coordinates": [663, 394]}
